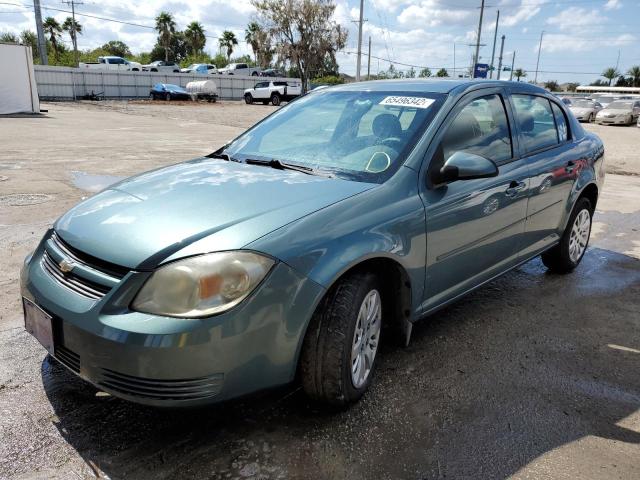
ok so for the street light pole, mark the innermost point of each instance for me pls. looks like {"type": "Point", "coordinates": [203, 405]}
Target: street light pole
{"type": "Point", "coordinates": [500, 57]}
{"type": "Point", "coordinates": [495, 36]}
{"type": "Point", "coordinates": [358, 61]}
{"type": "Point", "coordinates": [42, 43]}
{"type": "Point", "coordinates": [513, 62]}
{"type": "Point", "coordinates": [475, 57]}
{"type": "Point", "coordinates": [535, 80]}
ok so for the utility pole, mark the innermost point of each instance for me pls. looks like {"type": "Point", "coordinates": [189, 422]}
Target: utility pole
{"type": "Point", "coordinates": [358, 61]}
{"type": "Point", "coordinates": [535, 80]}
{"type": "Point", "coordinates": [369, 61]}
{"type": "Point", "coordinates": [495, 36]}
{"type": "Point", "coordinates": [42, 43]}
{"type": "Point", "coordinates": [500, 57]}
{"type": "Point", "coordinates": [513, 62]}
{"type": "Point", "coordinates": [618, 61]}
{"type": "Point", "coordinates": [475, 57]}
{"type": "Point", "coordinates": [454, 60]}
{"type": "Point", "coordinates": [74, 37]}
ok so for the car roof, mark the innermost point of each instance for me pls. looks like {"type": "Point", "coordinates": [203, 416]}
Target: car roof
{"type": "Point", "coordinates": [435, 85]}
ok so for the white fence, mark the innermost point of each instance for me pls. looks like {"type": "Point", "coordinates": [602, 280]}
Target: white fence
{"type": "Point", "coordinates": [64, 83]}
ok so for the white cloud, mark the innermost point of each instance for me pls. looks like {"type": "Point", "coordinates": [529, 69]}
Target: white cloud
{"type": "Point", "coordinates": [575, 17]}
{"type": "Point", "coordinates": [613, 5]}
{"type": "Point", "coordinates": [571, 43]}
{"type": "Point", "coordinates": [431, 14]}
{"type": "Point", "coordinates": [526, 11]}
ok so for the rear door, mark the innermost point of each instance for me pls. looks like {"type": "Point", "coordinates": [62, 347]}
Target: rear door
{"type": "Point", "coordinates": [474, 227]}
{"type": "Point", "coordinates": [546, 145]}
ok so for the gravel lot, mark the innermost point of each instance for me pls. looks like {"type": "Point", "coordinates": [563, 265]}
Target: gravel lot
{"type": "Point", "coordinates": [534, 376]}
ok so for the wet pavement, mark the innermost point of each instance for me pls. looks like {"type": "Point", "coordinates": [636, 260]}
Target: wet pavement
{"type": "Point", "coordinates": [533, 376]}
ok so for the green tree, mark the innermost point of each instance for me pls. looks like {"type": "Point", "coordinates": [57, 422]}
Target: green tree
{"type": "Point", "coordinates": [442, 73]}
{"type": "Point", "coordinates": [634, 74]}
{"type": "Point", "coordinates": [52, 28]}
{"type": "Point", "coordinates": [28, 37]}
{"type": "Point", "coordinates": [411, 73]}
{"type": "Point", "coordinates": [303, 33]}
{"type": "Point", "coordinates": [227, 41]}
{"type": "Point", "coordinates": [178, 49]}
{"type": "Point", "coordinates": [572, 87]}
{"type": "Point", "coordinates": [195, 38]}
{"type": "Point", "coordinates": [251, 36]}
{"type": "Point", "coordinates": [117, 48]}
{"type": "Point", "coordinates": [166, 27]}
{"type": "Point", "coordinates": [9, 37]}
{"type": "Point", "coordinates": [73, 28]}
{"type": "Point", "coordinates": [552, 85]}
{"type": "Point", "coordinates": [519, 73]}
{"type": "Point", "coordinates": [610, 73]}
{"type": "Point", "coordinates": [424, 73]}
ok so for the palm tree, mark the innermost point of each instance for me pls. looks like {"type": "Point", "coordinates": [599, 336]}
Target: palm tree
{"type": "Point", "coordinates": [519, 73]}
{"type": "Point", "coordinates": [52, 28]}
{"type": "Point", "coordinates": [634, 73]}
{"type": "Point", "coordinates": [166, 27]}
{"type": "Point", "coordinates": [227, 41]}
{"type": "Point", "coordinates": [73, 28]}
{"type": "Point", "coordinates": [611, 73]}
{"type": "Point", "coordinates": [251, 36]}
{"type": "Point", "coordinates": [194, 34]}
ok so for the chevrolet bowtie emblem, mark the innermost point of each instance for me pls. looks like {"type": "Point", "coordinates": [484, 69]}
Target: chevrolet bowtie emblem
{"type": "Point", "coordinates": [66, 265]}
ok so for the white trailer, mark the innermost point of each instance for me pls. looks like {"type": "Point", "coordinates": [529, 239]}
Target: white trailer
{"type": "Point", "coordinates": [18, 90]}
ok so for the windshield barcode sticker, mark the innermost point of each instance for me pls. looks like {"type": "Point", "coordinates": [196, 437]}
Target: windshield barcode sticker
{"type": "Point", "coordinates": [418, 102]}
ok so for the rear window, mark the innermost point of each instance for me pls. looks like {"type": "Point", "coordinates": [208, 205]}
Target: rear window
{"type": "Point", "coordinates": [536, 122]}
{"type": "Point", "coordinates": [561, 123]}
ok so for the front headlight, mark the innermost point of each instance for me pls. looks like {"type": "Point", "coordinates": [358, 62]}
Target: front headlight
{"type": "Point", "coordinates": [202, 286]}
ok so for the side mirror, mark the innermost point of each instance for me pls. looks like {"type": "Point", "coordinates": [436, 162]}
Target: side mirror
{"type": "Point", "coordinates": [467, 166]}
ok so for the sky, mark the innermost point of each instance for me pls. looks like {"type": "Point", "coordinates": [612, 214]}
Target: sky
{"type": "Point", "coordinates": [581, 37]}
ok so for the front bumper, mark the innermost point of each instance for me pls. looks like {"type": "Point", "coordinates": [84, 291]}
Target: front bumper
{"type": "Point", "coordinates": [612, 121]}
{"type": "Point", "coordinates": [166, 361]}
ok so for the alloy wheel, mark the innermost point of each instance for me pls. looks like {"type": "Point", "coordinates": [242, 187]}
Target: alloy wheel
{"type": "Point", "coordinates": [366, 338]}
{"type": "Point", "coordinates": [579, 235]}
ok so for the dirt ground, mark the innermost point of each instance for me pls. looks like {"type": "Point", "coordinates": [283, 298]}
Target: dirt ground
{"type": "Point", "coordinates": [534, 376]}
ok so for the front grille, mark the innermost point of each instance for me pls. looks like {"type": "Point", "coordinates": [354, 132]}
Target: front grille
{"type": "Point", "coordinates": [186, 389]}
{"type": "Point", "coordinates": [73, 282]}
{"type": "Point", "coordinates": [108, 268]}
{"type": "Point", "coordinates": [68, 358]}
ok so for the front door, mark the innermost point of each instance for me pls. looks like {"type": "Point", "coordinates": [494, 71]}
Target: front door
{"type": "Point", "coordinates": [474, 227]}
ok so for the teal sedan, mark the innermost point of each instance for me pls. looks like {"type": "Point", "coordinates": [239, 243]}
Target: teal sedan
{"type": "Point", "coordinates": [330, 226]}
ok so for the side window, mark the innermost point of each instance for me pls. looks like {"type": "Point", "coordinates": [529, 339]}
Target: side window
{"type": "Point", "coordinates": [536, 122]}
{"type": "Point", "coordinates": [481, 128]}
{"type": "Point", "coordinates": [561, 123]}
{"type": "Point", "coordinates": [101, 60]}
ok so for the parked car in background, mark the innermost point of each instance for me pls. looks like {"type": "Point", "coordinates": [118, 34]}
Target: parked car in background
{"type": "Point", "coordinates": [619, 112]}
{"type": "Point", "coordinates": [585, 110]}
{"type": "Point", "coordinates": [274, 92]}
{"type": "Point", "coordinates": [168, 91]}
{"type": "Point", "coordinates": [203, 68]}
{"type": "Point", "coordinates": [292, 251]}
{"type": "Point", "coordinates": [604, 100]}
{"type": "Point", "coordinates": [239, 69]}
{"type": "Point", "coordinates": [272, 72]}
{"type": "Point", "coordinates": [112, 63]}
{"type": "Point", "coordinates": [161, 66]}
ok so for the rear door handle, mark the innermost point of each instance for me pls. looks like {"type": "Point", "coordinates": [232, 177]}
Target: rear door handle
{"type": "Point", "coordinates": [571, 166]}
{"type": "Point", "coordinates": [515, 188]}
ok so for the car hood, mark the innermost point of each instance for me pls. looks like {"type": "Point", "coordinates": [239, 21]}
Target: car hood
{"type": "Point", "coordinates": [610, 111]}
{"type": "Point", "coordinates": [200, 206]}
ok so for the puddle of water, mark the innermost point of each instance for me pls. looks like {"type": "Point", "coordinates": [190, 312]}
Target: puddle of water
{"type": "Point", "coordinates": [93, 183]}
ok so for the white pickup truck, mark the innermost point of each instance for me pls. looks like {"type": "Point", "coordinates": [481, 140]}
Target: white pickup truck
{"type": "Point", "coordinates": [274, 92]}
{"type": "Point", "coordinates": [239, 69]}
{"type": "Point", "coordinates": [113, 63]}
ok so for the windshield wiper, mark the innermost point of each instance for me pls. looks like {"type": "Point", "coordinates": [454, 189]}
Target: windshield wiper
{"type": "Point", "coordinates": [277, 164]}
{"type": "Point", "coordinates": [223, 156]}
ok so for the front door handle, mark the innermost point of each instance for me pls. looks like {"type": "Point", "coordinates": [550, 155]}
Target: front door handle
{"type": "Point", "coordinates": [515, 188]}
{"type": "Point", "coordinates": [571, 166]}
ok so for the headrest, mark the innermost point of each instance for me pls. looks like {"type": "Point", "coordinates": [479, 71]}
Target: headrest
{"type": "Point", "coordinates": [386, 125]}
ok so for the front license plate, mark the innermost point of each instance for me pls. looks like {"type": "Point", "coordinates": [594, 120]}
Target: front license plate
{"type": "Point", "coordinates": [38, 323]}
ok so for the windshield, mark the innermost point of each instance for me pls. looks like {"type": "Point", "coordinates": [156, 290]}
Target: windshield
{"type": "Point", "coordinates": [362, 136]}
{"type": "Point", "coordinates": [620, 106]}
{"type": "Point", "coordinates": [582, 104]}
{"type": "Point", "coordinates": [605, 99]}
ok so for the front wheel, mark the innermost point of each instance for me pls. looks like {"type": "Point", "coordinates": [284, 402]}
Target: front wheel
{"type": "Point", "coordinates": [592, 118]}
{"type": "Point", "coordinates": [338, 357]}
{"type": "Point", "coordinates": [167, 97]}
{"type": "Point", "coordinates": [254, 74]}
{"type": "Point", "coordinates": [566, 256]}
{"type": "Point", "coordinates": [275, 99]}
{"type": "Point", "coordinates": [248, 99]}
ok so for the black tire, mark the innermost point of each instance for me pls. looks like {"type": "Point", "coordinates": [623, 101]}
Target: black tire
{"type": "Point", "coordinates": [275, 99]}
{"type": "Point", "coordinates": [254, 74]}
{"type": "Point", "coordinates": [248, 99]}
{"type": "Point", "coordinates": [167, 97]}
{"type": "Point", "coordinates": [152, 96]}
{"type": "Point", "coordinates": [557, 259]}
{"type": "Point", "coordinates": [154, 69]}
{"type": "Point", "coordinates": [325, 362]}
{"type": "Point", "coordinates": [592, 118]}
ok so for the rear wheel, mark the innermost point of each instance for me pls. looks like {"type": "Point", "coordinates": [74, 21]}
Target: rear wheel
{"type": "Point", "coordinates": [152, 96]}
{"type": "Point", "coordinates": [254, 74]}
{"type": "Point", "coordinates": [591, 118]}
{"type": "Point", "coordinates": [566, 256]}
{"type": "Point", "coordinates": [338, 357]}
{"type": "Point", "coordinates": [167, 97]}
{"type": "Point", "coordinates": [248, 99]}
{"type": "Point", "coordinates": [275, 99]}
